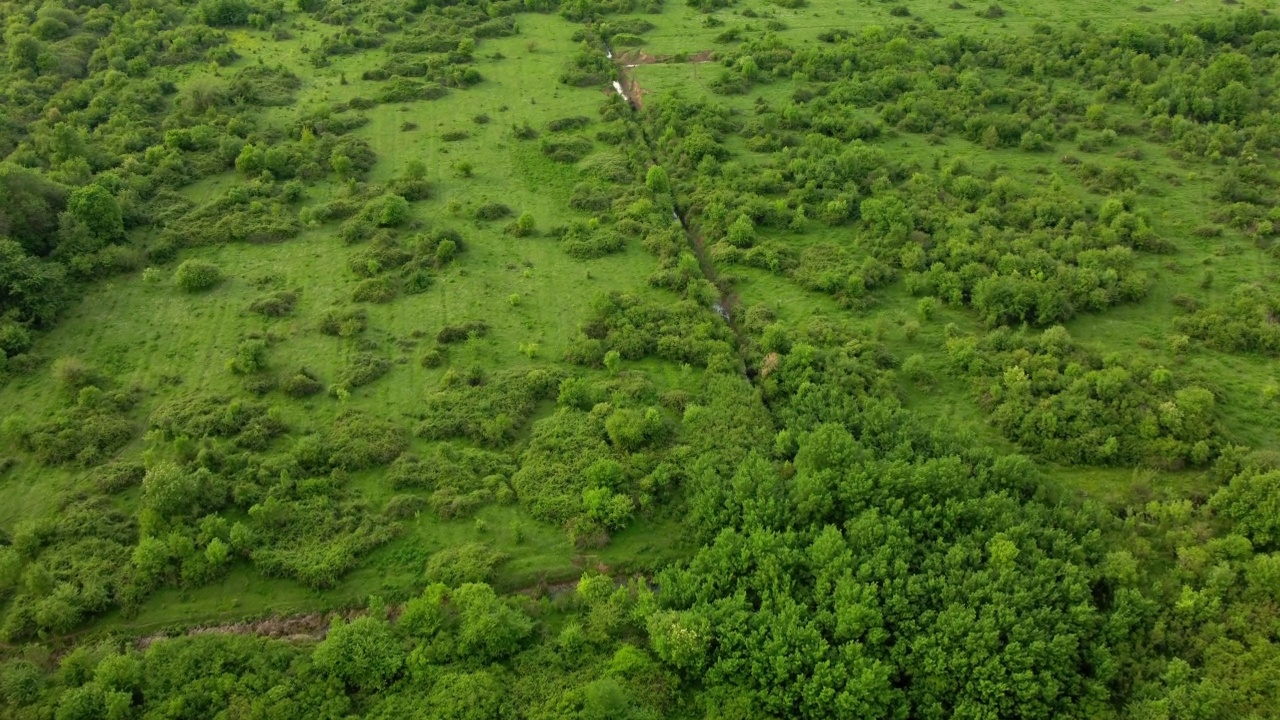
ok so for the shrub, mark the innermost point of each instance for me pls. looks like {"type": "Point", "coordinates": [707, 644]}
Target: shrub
{"type": "Point", "coordinates": [462, 331]}
{"type": "Point", "coordinates": [250, 357]}
{"type": "Point", "coordinates": [404, 506]}
{"type": "Point", "coordinates": [576, 122]}
{"type": "Point", "coordinates": [364, 653]}
{"type": "Point", "coordinates": [275, 304]}
{"type": "Point", "coordinates": [469, 563]}
{"type": "Point", "coordinates": [118, 476]}
{"type": "Point", "coordinates": [566, 150]}
{"type": "Point", "coordinates": [523, 226]}
{"type": "Point", "coordinates": [492, 211]}
{"type": "Point", "coordinates": [197, 275]}
{"type": "Point", "coordinates": [302, 384]}
{"type": "Point", "coordinates": [344, 322]}
{"type": "Point", "coordinates": [375, 290]}
{"type": "Point", "coordinates": [72, 373]}
{"type": "Point", "coordinates": [364, 369]}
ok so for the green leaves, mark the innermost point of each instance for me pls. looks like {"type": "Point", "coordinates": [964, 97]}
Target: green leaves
{"type": "Point", "coordinates": [363, 653]}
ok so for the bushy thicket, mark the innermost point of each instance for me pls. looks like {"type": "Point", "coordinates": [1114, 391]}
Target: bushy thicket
{"type": "Point", "coordinates": [1073, 405]}
{"type": "Point", "coordinates": [1248, 320]}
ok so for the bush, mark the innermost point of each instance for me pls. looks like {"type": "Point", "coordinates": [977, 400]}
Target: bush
{"type": "Point", "coordinates": [302, 384]}
{"type": "Point", "coordinates": [576, 122]}
{"type": "Point", "coordinates": [341, 322]}
{"type": "Point", "coordinates": [492, 211]}
{"type": "Point", "coordinates": [364, 653]}
{"type": "Point", "coordinates": [376, 290]}
{"type": "Point", "coordinates": [469, 563]}
{"type": "Point", "coordinates": [364, 369]}
{"type": "Point", "coordinates": [275, 304]}
{"type": "Point", "coordinates": [462, 331]}
{"type": "Point", "coordinates": [566, 150]}
{"type": "Point", "coordinates": [197, 275]}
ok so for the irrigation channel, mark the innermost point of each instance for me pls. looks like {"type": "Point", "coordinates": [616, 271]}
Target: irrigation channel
{"type": "Point", "coordinates": [630, 90]}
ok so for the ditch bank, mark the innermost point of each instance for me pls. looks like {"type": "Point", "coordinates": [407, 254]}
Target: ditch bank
{"type": "Point", "coordinates": [631, 91]}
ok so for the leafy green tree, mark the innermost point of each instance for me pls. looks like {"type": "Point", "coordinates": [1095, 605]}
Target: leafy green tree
{"type": "Point", "coordinates": [657, 181]}
{"type": "Point", "coordinates": [363, 653]}
{"type": "Point", "coordinates": [98, 210]}
{"type": "Point", "coordinates": [1251, 500]}
{"type": "Point", "coordinates": [488, 628]}
{"type": "Point", "coordinates": [30, 288]}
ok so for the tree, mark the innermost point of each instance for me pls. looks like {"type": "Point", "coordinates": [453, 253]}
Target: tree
{"type": "Point", "coordinates": [99, 211]}
{"type": "Point", "coordinates": [488, 628]}
{"type": "Point", "coordinates": [1252, 502]}
{"type": "Point", "coordinates": [363, 653]}
{"type": "Point", "coordinates": [169, 489]}
{"type": "Point", "coordinates": [24, 54]}
{"type": "Point", "coordinates": [30, 288]}
{"type": "Point", "coordinates": [657, 181]}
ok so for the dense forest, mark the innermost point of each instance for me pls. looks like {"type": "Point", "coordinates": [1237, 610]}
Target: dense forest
{"type": "Point", "coordinates": [613, 359]}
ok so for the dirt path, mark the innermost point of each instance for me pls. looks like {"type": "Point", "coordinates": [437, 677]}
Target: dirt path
{"type": "Point", "coordinates": [628, 87]}
{"type": "Point", "coordinates": [314, 626]}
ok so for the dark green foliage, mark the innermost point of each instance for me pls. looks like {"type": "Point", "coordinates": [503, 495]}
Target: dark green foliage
{"type": "Point", "coordinates": [469, 622]}
{"type": "Point", "coordinates": [29, 208]}
{"type": "Point", "coordinates": [588, 67]}
{"type": "Point", "coordinates": [118, 476]}
{"type": "Point", "coordinates": [250, 357]}
{"type": "Point", "coordinates": [400, 89]}
{"type": "Point", "coordinates": [314, 539]}
{"type": "Point", "coordinates": [86, 433]}
{"type": "Point", "coordinates": [553, 470]}
{"type": "Point", "coordinates": [30, 289]}
{"type": "Point", "coordinates": [682, 331]}
{"type": "Point", "coordinates": [576, 122]}
{"type": "Point", "coordinates": [1251, 501]}
{"type": "Point", "coordinates": [355, 441]}
{"type": "Point", "coordinates": [375, 290]}
{"type": "Point", "coordinates": [404, 506]}
{"type": "Point", "coordinates": [460, 480]}
{"type": "Point", "coordinates": [588, 240]}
